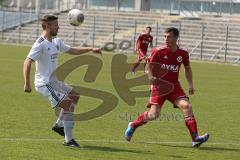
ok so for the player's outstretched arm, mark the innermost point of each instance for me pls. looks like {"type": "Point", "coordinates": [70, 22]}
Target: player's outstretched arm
{"type": "Point", "coordinates": [78, 51]}
{"type": "Point", "coordinates": [149, 70]}
{"type": "Point", "coordinates": [26, 74]}
{"type": "Point", "coordinates": [189, 77]}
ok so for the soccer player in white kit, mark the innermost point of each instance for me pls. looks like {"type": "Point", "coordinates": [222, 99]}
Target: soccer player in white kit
{"type": "Point", "coordinates": [44, 53]}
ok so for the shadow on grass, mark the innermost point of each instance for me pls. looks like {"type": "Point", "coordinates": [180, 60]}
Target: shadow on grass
{"type": "Point", "coordinates": [113, 149]}
{"type": "Point", "coordinates": [203, 148]}
{"type": "Point", "coordinates": [220, 149]}
{"type": "Point", "coordinates": [177, 157]}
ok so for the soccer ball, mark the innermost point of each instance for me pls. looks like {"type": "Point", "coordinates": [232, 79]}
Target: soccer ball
{"type": "Point", "coordinates": [75, 17]}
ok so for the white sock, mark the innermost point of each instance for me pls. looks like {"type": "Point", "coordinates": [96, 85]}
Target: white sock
{"type": "Point", "coordinates": [59, 121]}
{"type": "Point", "coordinates": [68, 123]}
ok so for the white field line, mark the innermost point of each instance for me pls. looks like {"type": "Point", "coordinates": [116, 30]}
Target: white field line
{"type": "Point", "coordinates": [112, 141]}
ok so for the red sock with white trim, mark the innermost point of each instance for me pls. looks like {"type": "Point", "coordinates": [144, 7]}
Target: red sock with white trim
{"type": "Point", "coordinates": [142, 119]}
{"type": "Point", "coordinates": [192, 126]}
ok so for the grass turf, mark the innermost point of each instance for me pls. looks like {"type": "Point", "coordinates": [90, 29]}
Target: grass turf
{"type": "Point", "coordinates": [26, 119]}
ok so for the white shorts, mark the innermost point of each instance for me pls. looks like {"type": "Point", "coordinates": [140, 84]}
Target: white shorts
{"type": "Point", "coordinates": [55, 92]}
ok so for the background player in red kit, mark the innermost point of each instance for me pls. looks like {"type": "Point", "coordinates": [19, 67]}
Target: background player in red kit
{"type": "Point", "coordinates": [169, 57]}
{"type": "Point", "coordinates": [143, 41]}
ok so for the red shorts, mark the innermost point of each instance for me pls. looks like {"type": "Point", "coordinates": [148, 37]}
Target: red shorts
{"type": "Point", "coordinates": [141, 53]}
{"type": "Point", "coordinates": [157, 97]}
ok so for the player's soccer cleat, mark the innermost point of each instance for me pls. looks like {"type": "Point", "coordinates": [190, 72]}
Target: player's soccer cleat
{"type": "Point", "coordinates": [129, 131]}
{"type": "Point", "coordinates": [71, 143]}
{"type": "Point", "coordinates": [59, 130]}
{"type": "Point", "coordinates": [200, 139]}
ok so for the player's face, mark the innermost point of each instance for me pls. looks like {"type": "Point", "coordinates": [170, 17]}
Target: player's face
{"type": "Point", "coordinates": [148, 30]}
{"type": "Point", "coordinates": [53, 27]}
{"type": "Point", "coordinates": [169, 39]}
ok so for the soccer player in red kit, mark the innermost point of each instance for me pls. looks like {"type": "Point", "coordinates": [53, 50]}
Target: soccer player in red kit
{"type": "Point", "coordinates": [169, 58]}
{"type": "Point", "coordinates": [143, 41]}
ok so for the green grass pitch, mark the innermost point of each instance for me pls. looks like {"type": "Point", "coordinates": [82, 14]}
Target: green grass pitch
{"type": "Point", "coordinates": [26, 119]}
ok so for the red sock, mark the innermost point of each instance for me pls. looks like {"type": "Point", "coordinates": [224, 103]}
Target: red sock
{"type": "Point", "coordinates": [136, 64]}
{"type": "Point", "coordinates": [192, 126]}
{"type": "Point", "coordinates": [142, 119]}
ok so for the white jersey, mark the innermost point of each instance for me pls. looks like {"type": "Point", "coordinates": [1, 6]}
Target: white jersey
{"type": "Point", "coordinates": [45, 54]}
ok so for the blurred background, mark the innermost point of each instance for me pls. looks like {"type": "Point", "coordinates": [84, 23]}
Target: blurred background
{"type": "Point", "coordinates": [210, 30]}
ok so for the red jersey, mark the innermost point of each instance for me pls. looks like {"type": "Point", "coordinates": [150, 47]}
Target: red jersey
{"type": "Point", "coordinates": [143, 41]}
{"type": "Point", "coordinates": [171, 62]}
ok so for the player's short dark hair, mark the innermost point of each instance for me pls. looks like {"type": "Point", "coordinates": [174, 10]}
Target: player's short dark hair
{"type": "Point", "coordinates": [173, 30]}
{"type": "Point", "coordinates": [150, 28]}
{"type": "Point", "coordinates": [48, 18]}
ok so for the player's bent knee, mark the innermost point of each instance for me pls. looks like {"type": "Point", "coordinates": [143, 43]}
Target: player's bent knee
{"type": "Point", "coordinates": [187, 109]}
{"type": "Point", "coordinates": [72, 107]}
{"type": "Point", "coordinates": [67, 105]}
{"type": "Point", "coordinates": [186, 106]}
{"type": "Point", "coordinates": [74, 96]}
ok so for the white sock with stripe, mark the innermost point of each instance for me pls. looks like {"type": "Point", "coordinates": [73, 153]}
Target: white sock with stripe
{"type": "Point", "coordinates": [68, 123]}
{"type": "Point", "coordinates": [59, 121]}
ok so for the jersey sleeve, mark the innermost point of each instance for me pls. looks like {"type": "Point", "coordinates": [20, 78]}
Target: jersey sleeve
{"type": "Point", "coordinates": [35, 51]}
{"type": "Point", "coordinates": [154, 57]}
{"type": "Point", "coordinates": [186, 61]}
{"type": "Point", "coordinates": [62, 46]}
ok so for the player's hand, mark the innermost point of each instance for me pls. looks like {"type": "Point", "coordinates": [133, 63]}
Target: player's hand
{"type": "Point", "coordinates": [97, 50]}
{"type": "Point", "coordinates": [27, 88]}
{"type": "Point", "coordinates": [191, 90]}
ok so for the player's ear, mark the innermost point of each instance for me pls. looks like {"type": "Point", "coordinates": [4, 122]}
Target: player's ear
{"type": "Point", "coordinates": [48, 24]}
{"type": "Point", "coordinates": [44, 25]}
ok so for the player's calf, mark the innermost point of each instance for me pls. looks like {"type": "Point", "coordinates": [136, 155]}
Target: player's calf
{"type": "Point", "coordinates": [74, 96]}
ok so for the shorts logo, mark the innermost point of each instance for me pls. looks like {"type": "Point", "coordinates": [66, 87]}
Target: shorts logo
{"type": "Point", "coordinates": [179, 58]}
